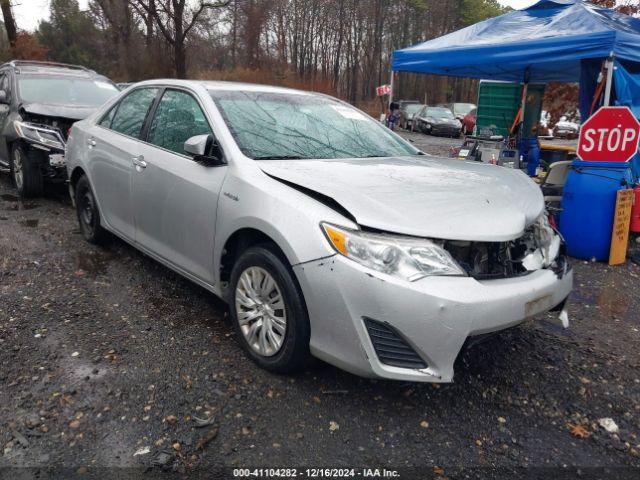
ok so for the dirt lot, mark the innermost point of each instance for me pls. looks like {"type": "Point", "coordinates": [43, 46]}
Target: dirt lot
{"type": "Point", "coordinates": [108, 361]}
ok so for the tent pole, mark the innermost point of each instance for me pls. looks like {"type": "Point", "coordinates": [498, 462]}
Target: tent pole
{"type": "Point", "coordinates": [607, 88]}
{"type": "Point", "coordinates": [391, 88]}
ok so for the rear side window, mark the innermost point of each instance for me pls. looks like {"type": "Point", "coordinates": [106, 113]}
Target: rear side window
{"type": "Point", "coordinates": [178, 118]}
{"type": "Point", "coordinates": [132, 110]}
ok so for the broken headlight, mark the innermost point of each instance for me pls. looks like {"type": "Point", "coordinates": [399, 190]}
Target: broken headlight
{"type": "Point", "coordinates": [404, 257]}
{"type": "Point", "coordinates": [543, 244]}
{"type": "Point", "coordinates": [39, 134]}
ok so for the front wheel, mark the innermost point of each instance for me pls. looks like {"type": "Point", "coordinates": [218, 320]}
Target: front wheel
{"type": "Point", "coordinates": [25, 171]}
{"type": "Point", "coordinates": [88, 213]}
{"type": "Point", "coordinates": [268, 311]}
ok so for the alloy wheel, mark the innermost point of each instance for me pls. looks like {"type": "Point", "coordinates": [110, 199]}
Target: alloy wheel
{"type": "Point", "coordinates": [261, 311]}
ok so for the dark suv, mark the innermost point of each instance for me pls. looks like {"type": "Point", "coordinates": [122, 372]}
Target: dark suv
{"type": "Point", "coordinates": [39, 101]}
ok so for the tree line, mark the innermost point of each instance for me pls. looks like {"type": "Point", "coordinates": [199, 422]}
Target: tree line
{"type": "Point", "coordinates": [341, 47]}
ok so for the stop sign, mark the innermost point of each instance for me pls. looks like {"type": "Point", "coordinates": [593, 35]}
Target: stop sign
{"type": "Point", "coordinates": [610, 135]}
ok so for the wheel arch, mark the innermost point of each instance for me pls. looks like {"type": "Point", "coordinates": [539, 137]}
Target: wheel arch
{"type": "Point", "coordinates": [239, 241]}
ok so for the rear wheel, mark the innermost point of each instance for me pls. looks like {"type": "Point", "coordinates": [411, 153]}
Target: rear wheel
{"type": "Point", "coordinates": [88, 213]}
{"type": "Point", "coordinates": [25, 171]}
{"type": "Point", "coordinates": [268, 312]}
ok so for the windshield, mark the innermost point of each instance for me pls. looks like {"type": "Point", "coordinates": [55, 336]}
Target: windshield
{"type": "Point", "coordinates": [463, 108]}
{"type": "Point", "coordinates": [414, 108]}
{"type": "Point", "coordinates": [72, 91]}
{"type": "Point", "coordinates": [268, 125]}
{"type": "Point", "coordinates": [439, 112]}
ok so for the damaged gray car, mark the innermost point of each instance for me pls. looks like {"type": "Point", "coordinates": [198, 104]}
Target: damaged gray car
{"type": "Point", "coordinates": [327, 234]}
{"type": "Point", "coordinates": [39, 101]}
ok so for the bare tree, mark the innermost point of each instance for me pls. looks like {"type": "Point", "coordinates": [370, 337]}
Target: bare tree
{"type": "Point", "coordinates": [175, 20]}
{"type": "Point", "coordinates": [119, 16]}
{"type": "Point", "coordinates": [9, 22]}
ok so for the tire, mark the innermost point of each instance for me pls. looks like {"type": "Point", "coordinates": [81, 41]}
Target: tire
{"type": "Point", "coordinates": [88, 213]}
{"type": "Point", "coordinates": [284, 345]}
{"type": "Point", "coordinates": [25, 171]}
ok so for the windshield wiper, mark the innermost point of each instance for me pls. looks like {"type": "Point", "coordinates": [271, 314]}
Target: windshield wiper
{"type": "Point", "coordinates": [279, 157]}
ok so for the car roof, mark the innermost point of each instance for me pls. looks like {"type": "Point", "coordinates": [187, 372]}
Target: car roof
{"type": "Point", "coordinates": [213, 85]}
{"type": "Point", "coordinates": [33, 67]}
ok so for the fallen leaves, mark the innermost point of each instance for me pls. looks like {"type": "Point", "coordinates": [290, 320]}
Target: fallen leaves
{"type": "Point", "coordinates": [171, 419]}
{"type": "Point", "coordinates": [609, 425]}
{"type": "Point", "coordinates": [424, 424]}
{"type": "Point", "coordinates": [578, 431]}
{"type": "Point", "coordinates": [210, 435]}
{"type": "Point", "coordinates": [142, 451]}
{"type": "Point", "coordinates": [333, 426]}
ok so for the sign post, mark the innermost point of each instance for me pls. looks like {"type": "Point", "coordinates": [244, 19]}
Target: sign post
{"type": "Point", "coordinates": [612, 134]}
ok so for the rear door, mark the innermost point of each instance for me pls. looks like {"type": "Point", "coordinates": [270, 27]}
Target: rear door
{"type": "Point", "coordinates": [175, 198]}
{"type": "Point", "coordinates": [114, 145]}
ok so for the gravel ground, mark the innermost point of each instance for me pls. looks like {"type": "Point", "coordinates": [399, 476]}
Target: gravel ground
{"type": "Point", "coordinates": [109, 360]}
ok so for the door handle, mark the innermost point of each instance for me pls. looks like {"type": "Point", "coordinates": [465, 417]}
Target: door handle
{"type": "Point", "coordinates": [91, 142]}
{"type": "Point", "coordinates": [139, 162]}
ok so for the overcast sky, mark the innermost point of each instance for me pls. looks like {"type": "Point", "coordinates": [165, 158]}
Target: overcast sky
{"type": "Point", "coordinates": [29, 12]}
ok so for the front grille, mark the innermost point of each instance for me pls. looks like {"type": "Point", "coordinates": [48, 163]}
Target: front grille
{"type": "Point", "coordinates": [390, 346]}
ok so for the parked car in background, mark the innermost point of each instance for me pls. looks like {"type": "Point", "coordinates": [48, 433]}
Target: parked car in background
{"type": "Point", "coordinates": [407, 112]}
{"type": "Point", "coordinates": [458, 109]}
{"type": "Point", "coordinates": [39, 101]}
{"type": "Point", "coordinates": [566, 129]}
{"type": "Point", "coordinates": [326, 233]}
{"type": "Point", "coordinates": [469, 122]}
{"type": "Point", "coordinates": [437, 121]}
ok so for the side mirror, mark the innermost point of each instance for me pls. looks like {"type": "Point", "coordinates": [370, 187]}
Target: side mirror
{"type": "Point", "coordinates": [3, 97]}
{"type": "Point", "coordinates": [204, 149]}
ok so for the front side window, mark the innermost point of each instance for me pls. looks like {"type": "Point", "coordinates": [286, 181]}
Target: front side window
{"type": "Point", "coordinates": [270, 125]}
{"type": "Point", "coordinates": [5, 84]}
{"type": "Point", "coordinates": [106, 120]}
{"type": "Point", "coordinates": [178, 118]}
{"type": "Point", "coordinates": [133, 109]}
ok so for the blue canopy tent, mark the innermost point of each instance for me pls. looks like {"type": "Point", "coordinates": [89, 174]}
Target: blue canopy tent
{"type": "Point", "coordinates": [551, 41]}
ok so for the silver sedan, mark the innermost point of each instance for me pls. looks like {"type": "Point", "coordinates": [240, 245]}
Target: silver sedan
{"type": "Point", "coordinates": [327, 234]}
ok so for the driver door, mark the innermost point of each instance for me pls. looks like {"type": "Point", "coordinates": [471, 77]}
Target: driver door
{"type": "Point", "coordinates": [175, 198]}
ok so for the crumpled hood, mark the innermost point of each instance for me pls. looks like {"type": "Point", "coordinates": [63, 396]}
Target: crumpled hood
{"type": "Point", "coordinates": [79, 112]}
{"type": "Point", "coordinates": [422, 196]}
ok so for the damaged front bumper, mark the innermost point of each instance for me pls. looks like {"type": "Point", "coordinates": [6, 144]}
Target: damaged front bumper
{"type": "Point", "coordinates": [50, 142]}
{"type": "Point", "coordinates": [362, 320]}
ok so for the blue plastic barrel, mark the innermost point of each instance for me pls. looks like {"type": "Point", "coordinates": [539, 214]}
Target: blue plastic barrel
{"type": "Point", "coordinates": [588, 206]}
{"type": "Point", "coordinates": [530, 151]}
